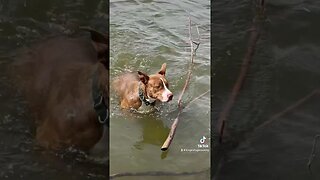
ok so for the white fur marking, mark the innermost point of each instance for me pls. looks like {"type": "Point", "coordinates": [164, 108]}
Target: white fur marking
{"type": "Point", "coordinates": [166, 91]}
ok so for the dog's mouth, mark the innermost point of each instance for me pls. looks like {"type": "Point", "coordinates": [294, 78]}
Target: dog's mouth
{"type": "Point", "coordinates": [167, 96]}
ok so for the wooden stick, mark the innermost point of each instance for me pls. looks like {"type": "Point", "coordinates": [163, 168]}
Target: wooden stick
{"type": "Point", "coordinates": [313, 152]}
{"type": "Point", "coordinates": [239, 83]}
{"type": "Point", "coordinates": [174, 125]}
{"type": "Point", "coordinates": [288, 109]}
{"type": "Point", "coordinates": [254, 36]}
{"type": "Point", "coordinates": [186, 106]}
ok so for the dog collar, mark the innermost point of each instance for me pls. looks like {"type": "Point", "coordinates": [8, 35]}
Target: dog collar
{"type": "Point", "coordinates": [99, 103]}
{"type": "Point", "coordinates": [142, 97]}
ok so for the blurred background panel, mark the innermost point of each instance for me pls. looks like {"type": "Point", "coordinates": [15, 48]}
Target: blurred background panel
{"type": "Point", "coordinates": [285, 68]}
{"type": "Point", "coordinates": [23, 22]}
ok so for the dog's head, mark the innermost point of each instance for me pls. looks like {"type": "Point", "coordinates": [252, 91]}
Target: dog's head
{"type": "Point", "coordinates": [100, 42]}
{"type": "Point", "coordinates": [157, 85]}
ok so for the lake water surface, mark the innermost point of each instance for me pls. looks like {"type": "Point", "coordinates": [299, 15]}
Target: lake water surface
{"type": "Point", "coordinates": [143, 35]}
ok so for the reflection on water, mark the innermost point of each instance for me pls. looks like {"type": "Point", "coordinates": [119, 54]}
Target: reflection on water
{"type": "Point", "coordinates": [284, 70]}
{"type": "Point", "coordinates": [155, 135]}
{"type": "Point", "coordinates": [23, 22]}
{"type": "Point", "coordinates": [143, 35]}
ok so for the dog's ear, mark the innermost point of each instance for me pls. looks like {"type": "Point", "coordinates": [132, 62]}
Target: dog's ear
{"type": "Point", "coordinates": [143, 77]}
{"type": "Point", "coordinates": [100, 42]}
{"type": "Point", "coordinates": [163, 69]}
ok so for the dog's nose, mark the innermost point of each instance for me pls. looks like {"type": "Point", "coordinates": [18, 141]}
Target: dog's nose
{"type": "Point", "coordinates": [170, 96]}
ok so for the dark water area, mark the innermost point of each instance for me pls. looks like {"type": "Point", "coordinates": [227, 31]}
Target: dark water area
{"type": "Point", "coordinates": [23, 22]}
{"type": "Point", "coordinates": [285, 70]}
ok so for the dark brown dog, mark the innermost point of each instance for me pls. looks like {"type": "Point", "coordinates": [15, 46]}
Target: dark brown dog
{"type": "Point", "coordinates": [134, 89]}
{"type": "Point", "coordinates": [63, 79]}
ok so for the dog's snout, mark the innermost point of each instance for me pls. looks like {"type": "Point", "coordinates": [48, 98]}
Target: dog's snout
{"type": "Point", "coordinates": [170, 96]}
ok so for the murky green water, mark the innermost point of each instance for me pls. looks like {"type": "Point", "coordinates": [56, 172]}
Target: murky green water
{"type": "Point", "coordinates": [23, 22]}
{"type": "Point", "coordinates": [143, 35]}
{"type": "Point", "coordinates": [284, 69]}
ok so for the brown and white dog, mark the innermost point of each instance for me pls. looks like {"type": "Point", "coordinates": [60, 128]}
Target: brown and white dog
{"type": "Point", "coordinates": [136, 89]}
{"type": "Point", "coordinates": [62, 79]}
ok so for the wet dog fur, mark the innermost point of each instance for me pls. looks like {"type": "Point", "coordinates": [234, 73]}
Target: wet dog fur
{"type": "Point", "coordinates": [154, 88]}
{"type": "Point", "coordinates": [55, 76]}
